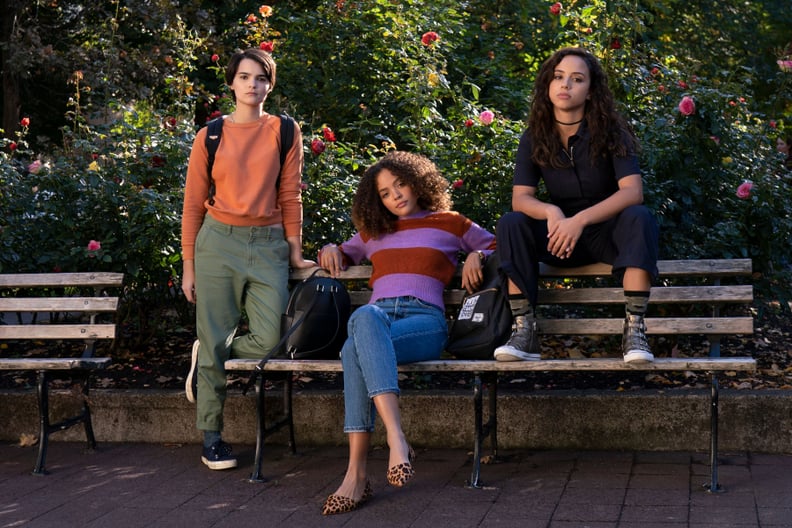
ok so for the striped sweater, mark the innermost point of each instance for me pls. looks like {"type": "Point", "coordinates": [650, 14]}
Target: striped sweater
{"type": "Point", "coordinates": [419, 259]}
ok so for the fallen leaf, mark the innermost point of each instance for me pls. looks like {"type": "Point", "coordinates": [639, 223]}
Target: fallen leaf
{"type": "Point", "coordinates": [27, 440]}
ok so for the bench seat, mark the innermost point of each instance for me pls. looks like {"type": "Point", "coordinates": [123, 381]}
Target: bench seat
{"type": "Point", "coordinates": [693, 298]}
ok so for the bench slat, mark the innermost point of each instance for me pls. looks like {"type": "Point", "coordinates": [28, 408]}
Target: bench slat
{"type": "Point", "coordinates": [59, 304]}
{"type": "Point", "coordinates": [654, 325]}
{"type": "Point", "coordinates": [34, 280]}
{"type": "Point", "coordinates": [58, 331]}
{"type": "Point", "coordinates": [53, 363]}
{"type": "Point", "coordinates": [662, 295]}
{"type": "Point", "coordinates": [601, 364]}
{"type": "Point", "coordinates": [666, 268]}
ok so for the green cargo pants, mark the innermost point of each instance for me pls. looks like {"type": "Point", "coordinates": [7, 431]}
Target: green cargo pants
{"type": "Point", "coordinates": [236, 268]}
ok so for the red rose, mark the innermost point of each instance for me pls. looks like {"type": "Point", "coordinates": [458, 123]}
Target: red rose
{"type": "Point", "coordinates": [12, 146]}
{"type": "Point", "coordinates": [615, 44]}
{"type": "Point", "coordinates": [328, 134]}
{"type": "Point", "coordinates": [429, 38]}
{"type": "Point", "coordinates": [267, 46]}
{"type": "Point", "coordinates": [25, 122]}
{"type": "Point", "coordinates": [458, 184]}
{"type": "Point", "coordinates": [555, 9]}
{"type": "Point", "coordinates": [317, 146]}
{"type": "Point", "coordinates": [468, 123]}
{"type": "Point", "coordinates": [215, 57]}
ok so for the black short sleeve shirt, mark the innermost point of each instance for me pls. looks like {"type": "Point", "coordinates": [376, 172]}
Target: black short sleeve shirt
{"type": "Point", "coordinates": [583, 182]}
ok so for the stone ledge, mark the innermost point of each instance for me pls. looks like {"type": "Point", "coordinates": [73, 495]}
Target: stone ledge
{"type": "Point", "coordinates": [758, 421]}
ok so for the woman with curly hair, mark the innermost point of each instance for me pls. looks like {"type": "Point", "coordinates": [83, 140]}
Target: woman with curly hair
{"type": "Point", "coordinates": [411, 237]}
{"type": "Point", "coordinates": [586, 155]}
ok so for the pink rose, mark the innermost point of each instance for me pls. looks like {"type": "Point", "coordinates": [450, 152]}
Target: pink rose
{"type": "Point", "coordinates": [555, 9]}
{"type": "Point", "coordinates": [687, 106]}
{"type": "Point", "coordinates": [486, 117]}
{"type": "Point", "coordinates": [785, 65]}
{"type": "Point", "coordinates": [94, 245]}
{"type": "Point", "coordinates": [744, 190]}
{"type": "Point", "coordinates": [35, 167]}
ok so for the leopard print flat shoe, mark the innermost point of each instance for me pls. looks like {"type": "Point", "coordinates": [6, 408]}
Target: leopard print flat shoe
{"type": "Point", "coordinates": [400, 474]}
{"type": "Point", "coordinates": [339, 504]}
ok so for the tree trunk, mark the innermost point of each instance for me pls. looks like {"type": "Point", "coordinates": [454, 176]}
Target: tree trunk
{"type": "Point", "coordinates": [12, 103]}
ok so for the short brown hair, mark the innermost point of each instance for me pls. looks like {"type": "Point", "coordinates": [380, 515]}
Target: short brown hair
{"type": "Point", "coordinates": [255, 54]}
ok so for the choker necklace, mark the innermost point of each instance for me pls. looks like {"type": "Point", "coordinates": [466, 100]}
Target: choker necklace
{"type": "Point", "coordinates": [569, 124]}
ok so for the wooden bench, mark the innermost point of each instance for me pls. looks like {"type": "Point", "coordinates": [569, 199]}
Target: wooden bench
{"type": "Point", "coordinates": [691, 300]}
{"type": "Point", "coordinates": [24, 298]}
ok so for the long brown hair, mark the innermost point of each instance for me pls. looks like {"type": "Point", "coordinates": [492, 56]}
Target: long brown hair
{"type": "Point", "coordinates": [370, 215]}
{"type": "Point", "coordinates": [609, 130]}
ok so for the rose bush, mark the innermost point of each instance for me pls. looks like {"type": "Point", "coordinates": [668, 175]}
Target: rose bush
{"type": "Point", "coordinates": [451, 83]}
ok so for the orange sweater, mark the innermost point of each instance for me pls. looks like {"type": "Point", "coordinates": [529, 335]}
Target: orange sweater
{"type": "Point", "coordinates": [245, 170]}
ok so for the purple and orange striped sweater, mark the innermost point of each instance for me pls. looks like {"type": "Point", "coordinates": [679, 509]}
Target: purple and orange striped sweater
{"type": "Point", "coordinates": [418, 259]}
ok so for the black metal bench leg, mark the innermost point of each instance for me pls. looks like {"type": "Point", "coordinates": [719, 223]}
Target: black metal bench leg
{"type": "Point", "coordinates": [44, 423]}
{"type": "Point", "coordinates": [86, 414]}
{"type": "Point", "coordinates": [288, 410]}
{"type": "Point", "coordinates": [713, 486]}
{"type": "Point", "coordinates": [260, 431]}
{"type": "Point", "coordinates": [492, 422]}
{"type": "Point", "coordinates": [475, 474]}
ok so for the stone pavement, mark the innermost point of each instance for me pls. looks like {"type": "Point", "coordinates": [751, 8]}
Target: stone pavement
{"type": "Point", "coordinates": [136, 485]}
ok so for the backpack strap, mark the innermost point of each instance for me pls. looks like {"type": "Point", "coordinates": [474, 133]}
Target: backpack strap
{"type": "Point", "coordinates": [287, 138]}
{"type": "Point", "coordinates": [215, 131]}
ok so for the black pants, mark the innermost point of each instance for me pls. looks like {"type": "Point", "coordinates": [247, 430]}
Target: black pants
{"type": "Point", "coordinates": [628, 240]}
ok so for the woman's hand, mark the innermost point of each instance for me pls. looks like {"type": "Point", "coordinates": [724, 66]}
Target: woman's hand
{"type": "Point", "coordinates": [331, 259]}
{"type": "Point", "coordinates": [188, 280]}
{"type": "Point", "coordinates": [562, 235]}
{"type": "Point", "coordinates": [473, 271]}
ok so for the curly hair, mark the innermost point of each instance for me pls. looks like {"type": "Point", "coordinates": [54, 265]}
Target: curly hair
{"type": "Point", "coordinates": [610, 132]}
{"type": "Point", "coordinates": [370, 215]}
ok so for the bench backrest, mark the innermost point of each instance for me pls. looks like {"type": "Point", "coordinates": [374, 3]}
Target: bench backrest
{"type": "Point", "coordinates": [61, 293]}
{"type": "Point", "coordinates": [688, 299]}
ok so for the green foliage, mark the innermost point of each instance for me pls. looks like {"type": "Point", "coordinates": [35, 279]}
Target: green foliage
{"type": "Point", "coordinates": [114, 172]}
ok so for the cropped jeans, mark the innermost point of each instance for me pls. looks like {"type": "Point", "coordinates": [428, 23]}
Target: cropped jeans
{"type": "Point", "coordinates": [382, 335]}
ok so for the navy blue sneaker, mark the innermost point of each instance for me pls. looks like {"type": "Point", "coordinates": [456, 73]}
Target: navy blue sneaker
{"type": "Point", "coordinates": [191, 384]}
{"type": "Point", "coordinates": [218, 456]}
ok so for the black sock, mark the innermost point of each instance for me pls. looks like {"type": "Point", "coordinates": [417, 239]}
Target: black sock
{"type": "Point", "coordinates": [210, 437]}
{"type": "Point", "coordinates": [636, 302]}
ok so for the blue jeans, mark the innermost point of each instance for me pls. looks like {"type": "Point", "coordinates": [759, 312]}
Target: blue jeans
{"type": "Point", "coordinates": [382, 335]}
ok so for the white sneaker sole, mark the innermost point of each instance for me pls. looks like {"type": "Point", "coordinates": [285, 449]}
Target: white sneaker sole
{"type": "Point", "coordinates": [188, 384]}
{"type": "Point", "coordinates": [638, 356]}
{"type": "Point", "coordinates": [507, 353]}
{"type": "Point", "coordinates": [219, 464]}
